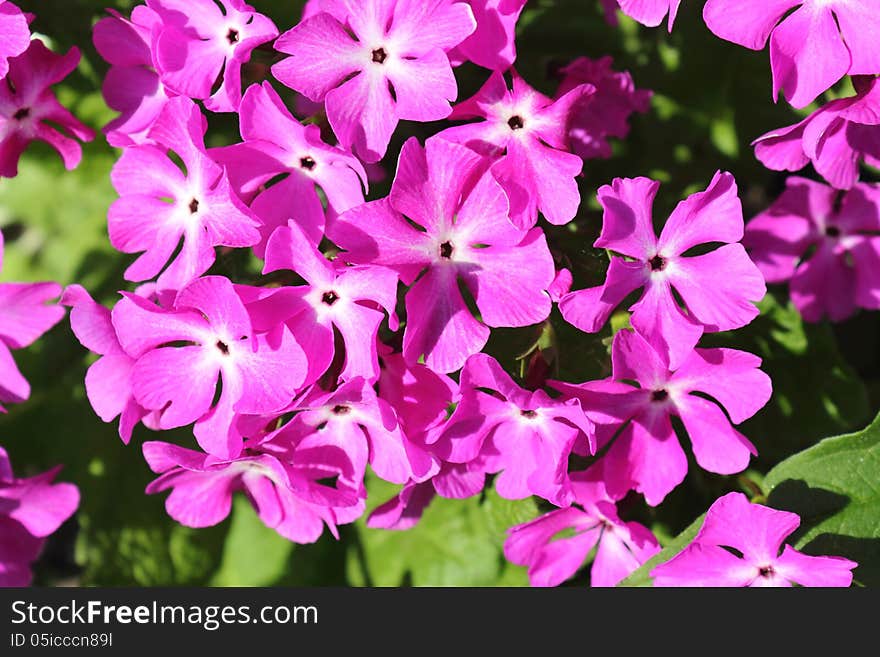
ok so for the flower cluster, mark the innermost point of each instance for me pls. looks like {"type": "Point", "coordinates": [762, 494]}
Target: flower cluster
{"type": "Point", "coordinates": [364, 344]}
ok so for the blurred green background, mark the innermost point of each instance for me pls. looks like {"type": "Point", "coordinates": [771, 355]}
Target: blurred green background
{"type": "Point", "coordinates": [711, 99]}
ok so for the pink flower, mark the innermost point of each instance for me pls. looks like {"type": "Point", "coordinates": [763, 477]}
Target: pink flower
{"type": "Point", "coordinates": [605, 113]}
{"type": "Point", "coordinates": [282, 480]}
{"type": "Point", "coordinates": [739, 545]}
{"type": "Point", "coordinates": [275, 143]}
{"type": "Point", "coordinates": [465, 235]}
{"type": "Point", "coordinates": [835, 138]}
{"type": "Point", "coordinates": [348, 299]}
{"type": "Point", "coordinates": [493, 43]}
{"type": "Point", "coordinates": [621, 547]}
{"type": "Point", "coordinates": [108, 379]}
{"type": "Point", "coordinates": [200, 40]}
{"type": "Point", "coordinates": [24, 317]}
{"type": "Point", "coordinates": [525, 136]}
{"type": "Point", "coordinates": [374, 63]}
{"type": "Point", "coordinates": [811, 48]}
{"type": "Point", "coordinates": [132, 86]}
{"type": "Point", "coordinates": [355, 420]}
{"type": "Point", "coordinates": [28, 108]}
{"type": "Point", "coordinates": [15, 35]}
{"type": "Point", "coordinates": [159, 205]}
{"type": "Point", "coordinates": [30, 510]}
{"type": "Point", "coordinates": [646, 456]}
{"type": "Point", "coordinates": [647, 12]}
{"type": "Point", "coordinates": [526, 436]}
{"type": "Point", "coordinates": [259, 373]}
{"type": "Point", "coordinates": [718, 288]}
{"type": "Point", "coordinates": [841, 236]}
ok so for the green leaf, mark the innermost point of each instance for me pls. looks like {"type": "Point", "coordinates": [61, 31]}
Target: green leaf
{"type": "Point", "coordinates": [456, 543]}
{"type": "Point", "coordinates": [253, 554]}
{"type": "Point", "coordinates": [835, 488]}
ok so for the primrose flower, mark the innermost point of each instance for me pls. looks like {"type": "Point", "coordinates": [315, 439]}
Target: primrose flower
{"type": "Point", "coordinates": [374, 63]}
{"type": "Point", "coordinates": [524, 135]}
{"type": "Point", "coordinates": [24, 317]}
{"type": "Point", "coordinates": [621, 547]}
{"type": "Point", "coordinates": [282, 480]}
{"type": "Point", "coordinates": [525, 435]}
{"type": "Point", "coordinates": [739, 545]}
{"type": "Point", "coordinates": [259, 373]}
{"type": "Point", "coordinates": [16, 35]}
{"type": "Point", "coordinates": [349, 299]}
{"type": "Point", "coordinates": [202, 40]}
{"type": "Point", "coordinates": [718, 288]}
{"type": "Point", "coordinates": [606, 112]}
{"type": "Point", "coordinates": [493, 43]}
{"type": "Point", "coordinates": [811, 48]}
{"type": "Point", "coordinates": [132, 86]}
{"type": "Point", "coordinates": [465, 235]}
{"type": "Point", "coordinates": [835, 138]}
{"type": "Point", "coordinates": [159, 205]}
{"type": "Point", "coordinates": [825, 243]}
{"type": "Point", "coordinates": [276, 144]}
{"type": "Point", "coordinates": [29, 110]}
{"type": "Point", "coordinates": [646, 455]}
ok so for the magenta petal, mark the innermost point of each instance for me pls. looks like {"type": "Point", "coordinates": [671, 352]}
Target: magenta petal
{"type": "Point", "coordinates": [720, 288]}
{"type": "Point", "coordinates": [627, 226]}
{"type": "Point", "coordinates": [646, 457]}
{"type": "Point", "coordinates": [362, 114]}
{"type": "Point", "coordinates": [590, 309]}
{"type": "Point", "coordinates": [713, 215]}
{"type": "Point", "coordinates": [860, 25]}
{"type": "Point", "coordinates": [718, 447]}
{"type": "Point", "coordinates": [506, 300]}
{"type": "Point", "coordinates": [782, 150]}
{"type": "Point", "coordinates": [179, 380]}
{"type": "Point", "coordinates": [729, 376]}
{"type": "Point", "coordinates": [323, 55]}
{"type": "Point", "coordinates": [440, 326]}
{"type": "Point", "coordinates": [814, 571]}
{"type": "Point", "coordinates": [755, 530]}
{"type": "Point", "coordinates": [807, 55]}
{"type": "Point", "coordinates": [404, 510]}
{"type": "Point", "coordinates": [746, 22]}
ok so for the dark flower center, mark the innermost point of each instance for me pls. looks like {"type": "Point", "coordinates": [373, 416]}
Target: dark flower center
{"type": "Point", "coordinates": [659, 396]}
{"type": "Point", "coordinates": [515, 123]}
{"type": "Point", "coordinates": [232, 36]}
{"type": "Point", "coordinates": [528, 414]}
{"type": "Point", "coordinates": [657, 263]}
{"type": "Point", "coordinates": [379, 55]}
{"type": "Point", "coordinates": [22, 114]}
{"type": "Point", "coordinates": [223, 347]}
{"type": "Point", "coordinates": [446, 250]}
{"type": "Point", "coordinates": [307, 163]}
{"type": "Point", "coordinates": [766, 571]}
{"type": "Point", "coordinates": [341, 409]}
{"type": "Point", "coordinates": [330, 298]}
{"type": "Point", "coordinates": [194, 206]}
{"type": "Point", "coordinates": [832, 231]}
